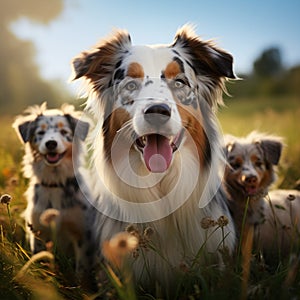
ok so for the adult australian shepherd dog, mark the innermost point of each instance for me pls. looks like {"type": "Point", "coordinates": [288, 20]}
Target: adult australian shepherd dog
{"type": "Point", "coordinates": [156, 151]}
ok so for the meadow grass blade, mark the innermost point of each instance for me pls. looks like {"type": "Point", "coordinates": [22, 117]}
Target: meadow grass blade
{"type": "Point", "coordinates": [242, 232]}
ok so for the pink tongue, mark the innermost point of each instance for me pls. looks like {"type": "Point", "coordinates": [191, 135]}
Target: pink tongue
{"type": "Point", "coordinates": [251, 190]}
{"type": "Point", "coordinates": [157, 153]}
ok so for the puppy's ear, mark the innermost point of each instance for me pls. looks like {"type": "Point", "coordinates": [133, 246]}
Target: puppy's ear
{"type": "Point", "coordinates": [80, 128]}
{"type": "Point", "coordinates": [26, 130]}
{"type": "Point", "coordinates": [229, 148]}
{"type": "Point", "coordinates": [272, 150]}
{"type": "Point", "coordinates": [228, 144]}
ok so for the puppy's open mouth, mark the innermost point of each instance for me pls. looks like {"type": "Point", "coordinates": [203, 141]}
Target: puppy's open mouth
{"type": "Point", "coordinates": [251, 190]}
{"type": "Point", "coordinates": [158, 150]}
{"type": "Point", "coordinates": [53, 158]}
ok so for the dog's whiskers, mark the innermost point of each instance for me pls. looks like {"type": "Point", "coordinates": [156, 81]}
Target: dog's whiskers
{"type": "Point", "coordinates": [126, 126]}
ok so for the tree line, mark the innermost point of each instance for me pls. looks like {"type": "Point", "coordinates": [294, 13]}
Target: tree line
{"type": "Point", "coordinates": [21, 83]}
{"type": "Point", "coordinates": [269, 77]}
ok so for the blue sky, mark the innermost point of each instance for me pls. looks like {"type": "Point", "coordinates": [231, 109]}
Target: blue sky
{"type": "Point", "coordinates": [244, 28]}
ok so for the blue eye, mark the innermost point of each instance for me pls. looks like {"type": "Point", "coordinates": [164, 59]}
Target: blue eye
{"type": "Point", "coordinates": [179, 84]}
{"type": "Point", "coordinates": [131, 86]}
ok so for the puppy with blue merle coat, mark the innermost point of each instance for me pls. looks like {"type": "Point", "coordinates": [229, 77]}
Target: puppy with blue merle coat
{"type": "Point", "coordinates": [249, 173]}
{"type": "Point", "coordinates": [53, 154]}
{"type": "Point", "coordinates": [275, 214]}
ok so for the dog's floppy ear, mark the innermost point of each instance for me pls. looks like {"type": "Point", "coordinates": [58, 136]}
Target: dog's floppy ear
{"type": "Point", "coordinates": [26, 130]}
{"type": "Point", "coordinates": [82, 64]}
{"type": "Point", "coordinates": [98, 64]}
{"type": "Point", "coordinates": [207, 59]}
{"type": "Point", "coordinates": [79, 127]}
{"type": "Point", "coordinates": [272, 150]}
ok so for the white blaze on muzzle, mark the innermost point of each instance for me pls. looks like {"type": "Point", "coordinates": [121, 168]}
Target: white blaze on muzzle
{"type": "Point", "coordinates": [157, 124]}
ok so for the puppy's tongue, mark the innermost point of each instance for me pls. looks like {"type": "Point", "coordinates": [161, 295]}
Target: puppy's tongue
{"type": "Point", "coordinates": [251, 190]}
{"type": "Point", "coordinates": [157, 153]}
{"type": "Point", "coordinates": [52, 157]}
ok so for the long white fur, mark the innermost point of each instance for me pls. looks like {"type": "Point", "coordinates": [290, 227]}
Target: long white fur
{"type": "Point", "coordinates": [178, 235]}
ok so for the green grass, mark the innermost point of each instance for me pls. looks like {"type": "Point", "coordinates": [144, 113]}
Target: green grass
{"type": "Point", "coordinates": [46, 280]}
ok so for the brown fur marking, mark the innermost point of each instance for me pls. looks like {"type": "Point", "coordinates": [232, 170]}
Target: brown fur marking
{"type": "Point", "coordinates": [172, 70]}
{"type": "Point", "coordinates": [135, 70]}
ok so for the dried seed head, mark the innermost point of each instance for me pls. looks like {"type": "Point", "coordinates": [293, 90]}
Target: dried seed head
{"type": "Point", "coordinates": [222, 221]}
{"type": "Point", "coordinates": [5, 199]}
{"type": "Point", "coordinates": [148, 232]}
{"type": "Point", "coordinates": [48, 216]}
{"type": "Point", "coordinates": [207, 222]}
{"type": "Point", "coordinates": [131, 228]}
{"type": "Point", "coordinates": [119, 247]}
{"type": "Point", "coordinates": [123, 241]}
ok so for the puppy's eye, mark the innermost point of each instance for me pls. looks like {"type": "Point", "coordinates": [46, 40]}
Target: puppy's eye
{"type": "Point", "coordinates": [258, 164]}
{"type": "Point", "coordinates": [41, 132]}
{"type": "Point", "coordinates": [131, 86]}
{"type": "Point", "coordinates": [235, 165]}
{"type": "Point", "coordinates": [63, 132]}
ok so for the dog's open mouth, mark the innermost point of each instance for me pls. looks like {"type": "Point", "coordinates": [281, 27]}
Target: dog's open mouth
{"type": "Point", "coordinates": [158, 150]}
{"type": "Point", "coordinates": [54, 157]}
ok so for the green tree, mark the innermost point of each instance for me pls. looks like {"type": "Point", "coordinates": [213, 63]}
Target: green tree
{"type": "Point", "coordinates": [269, 63]}
{"type": "Point", "coordinates": [21, 83]}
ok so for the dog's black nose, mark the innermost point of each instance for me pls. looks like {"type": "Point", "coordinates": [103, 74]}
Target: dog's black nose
{"type": "Point", "coordinates": [51, 145]}
{"type": "Point", "coordinates": [250, 179]}
{"type": "Point", "coordinates": [158, 113]}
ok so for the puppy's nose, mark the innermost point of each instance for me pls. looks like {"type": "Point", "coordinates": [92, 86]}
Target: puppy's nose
{"type": "Point", "coordinates": [250, 179]}
{"type": "Point", "coordinates": [157, 114]}
{"type": "Point", "coordinates": [51, 145]}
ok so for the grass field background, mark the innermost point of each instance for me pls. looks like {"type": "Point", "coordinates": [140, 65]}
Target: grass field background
{"type": "Point", "coordinates": [275, 116]}
{"type": "Point", "coordinates": [278, 116]}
